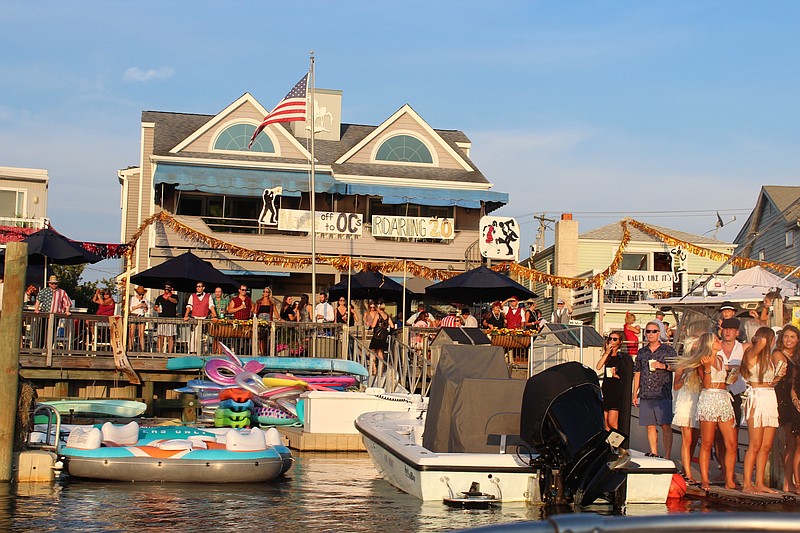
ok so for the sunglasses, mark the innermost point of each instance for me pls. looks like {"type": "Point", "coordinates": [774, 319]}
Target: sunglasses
{"type": "Point", "coordinates": [242, 290]}
{"type": "Point", "coordinates": [652, 331]}
{"type": "Point", "coordinates": [372, 307]}
{"type": "Point", "coordinates": [615, 339]}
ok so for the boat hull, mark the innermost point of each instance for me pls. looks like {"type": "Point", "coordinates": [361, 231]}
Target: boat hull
{"type": "Point", "coordinates": [390, 440]}
{"type": "Point", "coordinates": [181, 471]}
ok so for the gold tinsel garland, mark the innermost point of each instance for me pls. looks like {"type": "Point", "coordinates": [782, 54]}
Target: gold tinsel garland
{"type": "Point", "coordinates": [341, 263]}
{"type": "Point", "coordinates": [344, 263]}
{"type": "Point", "coordinates": [741, 262]}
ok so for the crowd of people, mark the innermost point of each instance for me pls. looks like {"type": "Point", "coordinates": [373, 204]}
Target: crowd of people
{"type": "Point", "coordinates": [721, 383]}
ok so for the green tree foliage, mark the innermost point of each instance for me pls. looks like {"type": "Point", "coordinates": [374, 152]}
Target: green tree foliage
{"type": "Point", "coordinates": [70, 280]}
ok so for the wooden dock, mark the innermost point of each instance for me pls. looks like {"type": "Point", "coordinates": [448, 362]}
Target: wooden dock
{"type": "Point", "coordinates": [741, 501]}
{"type": "Point", "coordinates": [297, 439]}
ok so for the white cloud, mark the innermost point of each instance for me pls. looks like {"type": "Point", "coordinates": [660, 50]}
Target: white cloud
{"type": "Point", "coordinates": [134, 74]}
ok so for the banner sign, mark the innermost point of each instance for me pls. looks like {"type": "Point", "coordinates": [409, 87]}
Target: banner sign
{"type": "Point", "coordinates": [641, 280]}
{"type": "Point", "coordinates": [328, 222]}
{"type": "Point", "coordinates": [413, 227]}
{"type": "Point", "coordinates": [499, 238]}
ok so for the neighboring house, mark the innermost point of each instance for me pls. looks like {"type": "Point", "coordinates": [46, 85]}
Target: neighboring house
{"type": "Point", "coordinates": [772, 230]}
{"type": "Point", "coordinates": [649, 269]}
{"type": "Point", "coordinates": [23, 197]}
{"type": "Point", "coordinates": [398, 190]}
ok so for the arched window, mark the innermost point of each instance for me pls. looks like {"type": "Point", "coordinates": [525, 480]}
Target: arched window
{"type": "Point", "coordinates": [404, 148]}
{"type": "Point", "coordinates": [237, 137]}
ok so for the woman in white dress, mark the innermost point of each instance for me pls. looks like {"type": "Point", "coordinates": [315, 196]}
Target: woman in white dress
{"type": "Point", "coordinates": [686, 392]}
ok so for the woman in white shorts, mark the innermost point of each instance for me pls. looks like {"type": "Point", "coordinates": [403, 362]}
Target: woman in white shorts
{"type": "Point", "coordinates": [715, 410]}
{"type": "Point", "coordinates": [761, 369]}
{"type": "Point", "coordinates": [686, 393]}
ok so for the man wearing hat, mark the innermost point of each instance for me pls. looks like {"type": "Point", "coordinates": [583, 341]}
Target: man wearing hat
{"type": "Point", "coordinates": [467, 319]}
{"type": "Point", "coordinates": [449, 321]}
{"type": "Point", "coordinates": [514, 315]}
{"type": "Point", "coordinates": [562, 313]}
{"type": "Point", "coordinates": [728, 311]}
{"type": "Point", "coordinates": [53, 299]}
{"type": "Point", "coordinates": [662, 336]}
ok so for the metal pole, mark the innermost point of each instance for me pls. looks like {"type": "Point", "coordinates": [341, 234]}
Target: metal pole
{"type": "Point", "coordinates": [10, 337]}
{"type": "Point", "coordinates": [312, 194]}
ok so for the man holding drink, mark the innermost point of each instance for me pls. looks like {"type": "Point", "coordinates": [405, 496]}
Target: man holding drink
{"type": "Point", "coordinates": [652, 388]}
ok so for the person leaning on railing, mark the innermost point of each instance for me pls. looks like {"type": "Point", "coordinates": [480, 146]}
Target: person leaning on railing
{"type": "Point", "coordinates": [241, 306]}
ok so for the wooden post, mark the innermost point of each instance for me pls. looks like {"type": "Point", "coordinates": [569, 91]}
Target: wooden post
{"type": "Point", "coordinates": [10, 338]}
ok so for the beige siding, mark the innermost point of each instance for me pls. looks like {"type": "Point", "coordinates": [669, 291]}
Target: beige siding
{"type": "Point", "coordinates": [407, 123]}
{"type": "Point", "coordinates": [37, 190]}
{"type": "Point", "coordinates": [246, 111]}
{"type": "Point", "coordinates": [366, 247]}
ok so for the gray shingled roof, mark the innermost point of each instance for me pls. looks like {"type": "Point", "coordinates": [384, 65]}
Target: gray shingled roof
{"type": "Point", "coordinates": [613, 232]}
{"type": "Point", "coordinates": [172, 128]}
{"type": "Point", "coordinates": [782, 197]}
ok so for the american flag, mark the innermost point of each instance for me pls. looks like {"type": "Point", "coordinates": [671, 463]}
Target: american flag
{"type": "Point", "coordinates": [291, 109]}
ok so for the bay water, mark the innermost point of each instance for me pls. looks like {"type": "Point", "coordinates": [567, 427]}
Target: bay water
{"type": "Point", "coordinates": [322, 492]}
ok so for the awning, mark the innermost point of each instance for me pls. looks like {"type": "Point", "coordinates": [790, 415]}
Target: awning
{"type": "Point", "coordinates": [241, 181]}
{"type": "Point", "coordinates": [252, 182]}
{"type": "Point", "coordinates": [433, 197]}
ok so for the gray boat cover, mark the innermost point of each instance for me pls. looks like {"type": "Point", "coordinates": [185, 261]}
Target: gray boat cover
{"type": "Point", "coordinates": [472, 392]}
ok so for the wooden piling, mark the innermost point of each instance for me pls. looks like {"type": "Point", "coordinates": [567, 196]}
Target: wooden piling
{"type": "Point", "coordinates": [10, 338]}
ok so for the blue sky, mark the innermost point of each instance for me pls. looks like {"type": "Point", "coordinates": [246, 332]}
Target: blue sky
{"type": "Point", "coordinates": [667, 111]}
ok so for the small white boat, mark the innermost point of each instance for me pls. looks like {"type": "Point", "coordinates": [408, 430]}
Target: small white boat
{"type": "Point", "coordinates": [504, 440]}
{"type": "Point", "coordinates": [174, 454]}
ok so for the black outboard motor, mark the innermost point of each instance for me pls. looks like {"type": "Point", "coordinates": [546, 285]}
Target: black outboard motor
{"type": "Point", "coordinates": [562, 418]}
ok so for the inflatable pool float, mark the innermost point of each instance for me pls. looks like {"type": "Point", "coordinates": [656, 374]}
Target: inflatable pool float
{"type": "Point", "coordinates": [175, 454]}
{"type": "Point", "coordinates": [274, 416]}
{"type": "Point", "coordinates": [274, 364]}
{"type": "Point", "coordinates": [99, 408]}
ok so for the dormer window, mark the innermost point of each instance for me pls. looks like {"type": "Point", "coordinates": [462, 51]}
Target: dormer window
{"type": "Point", "coordinates": [404, 149]}
{"type": "Point", "coordinates": [235, 138]}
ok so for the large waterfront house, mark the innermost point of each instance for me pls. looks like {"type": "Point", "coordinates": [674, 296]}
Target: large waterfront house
{"type": "Point", "coordinates": [772, 230]}
{"type": "Point", "coordinates": [398, 190]}
{"type": "Point", "coordinates": [649, 270]}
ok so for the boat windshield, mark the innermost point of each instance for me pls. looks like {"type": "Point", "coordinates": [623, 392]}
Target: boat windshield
{"type": "Point", "coordinates": [693, 323]}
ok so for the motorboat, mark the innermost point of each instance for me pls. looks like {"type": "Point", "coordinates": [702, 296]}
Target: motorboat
{"type": "Point", "coordinates": [540, 441]}
{"type": "Point", "coordinates": [174, 454]}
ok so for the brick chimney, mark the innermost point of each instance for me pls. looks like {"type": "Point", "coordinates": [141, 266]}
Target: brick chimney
{"type": "Point", "coordinates": [565, 257]}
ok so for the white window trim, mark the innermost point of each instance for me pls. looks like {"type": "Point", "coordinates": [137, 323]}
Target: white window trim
{"type": "Point", "coordinates": [225, 125]}
{"type": "Point", "coordinates": [24, 192]}
{"type": "Point", "coordinates": [395, 133]}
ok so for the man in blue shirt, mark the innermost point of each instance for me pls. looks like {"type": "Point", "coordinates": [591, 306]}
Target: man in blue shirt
{"type": "Point", "coordinates": [652, 388]}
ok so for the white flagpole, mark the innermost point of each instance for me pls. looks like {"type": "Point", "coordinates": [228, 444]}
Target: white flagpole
{"type": "Point", "coordinates": [312, 192]}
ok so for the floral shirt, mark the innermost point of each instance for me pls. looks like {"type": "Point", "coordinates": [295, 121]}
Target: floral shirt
{"type": "Point", "coordinates": [656, 385]}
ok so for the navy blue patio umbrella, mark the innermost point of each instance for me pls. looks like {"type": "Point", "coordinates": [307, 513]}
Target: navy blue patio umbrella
{"type": "Point", "coordinates": [368, 285]}
{"type": "Point", "coordinates": [184, 271]}
{"type": "Point", "coordinates": [477, 286]}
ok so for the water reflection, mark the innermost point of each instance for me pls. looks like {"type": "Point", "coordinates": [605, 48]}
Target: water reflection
{"type": "Point", "coordinates": [322, 492]}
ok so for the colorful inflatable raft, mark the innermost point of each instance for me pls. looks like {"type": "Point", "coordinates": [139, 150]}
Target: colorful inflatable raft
{"type": "Point", "coordinates": [175, 454]}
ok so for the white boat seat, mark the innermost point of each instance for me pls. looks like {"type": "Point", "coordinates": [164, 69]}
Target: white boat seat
{"type": "Point", "coordinates": [240, 441]}
{"type": "Point", "coordinates": [272, 437]}
{"type": "Point", "coordinates": [175, 444]}
{"type": "Point", "coordinates": [127, 435]}
{"type": "Point", "coordinates": [85, 439]}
